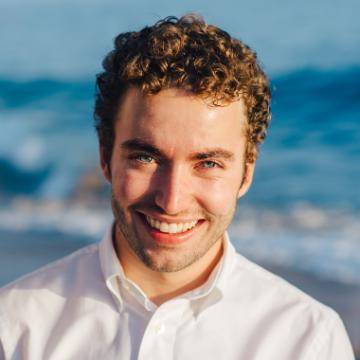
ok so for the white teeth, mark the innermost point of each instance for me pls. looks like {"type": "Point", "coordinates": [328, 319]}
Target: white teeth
{"type": "Point", "coordinates": [164, 227]}
{"type": "Point", "coordinates": [171, 228]}
{"type": "Point", "coordinates": [177, 228]}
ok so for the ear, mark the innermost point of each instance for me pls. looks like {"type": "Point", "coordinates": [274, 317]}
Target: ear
{"type": "Point", "coordinates": [105, 167]}
{"type": "Point", "coordinates": [247, 179]}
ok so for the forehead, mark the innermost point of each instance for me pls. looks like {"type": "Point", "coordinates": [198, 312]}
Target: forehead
{"type": "Point", "coordinates": [181, 117]}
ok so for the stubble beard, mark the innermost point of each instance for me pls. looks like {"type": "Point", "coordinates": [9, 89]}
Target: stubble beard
{"type": "Point", "coordinates": [130, 236]}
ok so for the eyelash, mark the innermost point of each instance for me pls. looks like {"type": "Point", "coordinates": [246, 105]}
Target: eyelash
{"type": "Point", "coordinates": [214, 164]}
{"type": "Point", "coordinates": [137, 158]}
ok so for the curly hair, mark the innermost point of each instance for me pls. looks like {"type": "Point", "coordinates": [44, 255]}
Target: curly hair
{"type": "Point", "coordinates": [184, 53]}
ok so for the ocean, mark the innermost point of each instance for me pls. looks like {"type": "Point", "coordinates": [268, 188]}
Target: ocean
{"type": "Point", "coordinates": [302, 211]}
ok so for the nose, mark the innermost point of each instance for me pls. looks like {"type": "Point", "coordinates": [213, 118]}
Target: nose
{"type": "Point", "coordinates": [173, 190]}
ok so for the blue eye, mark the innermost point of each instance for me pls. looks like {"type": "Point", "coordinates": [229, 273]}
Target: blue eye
{"type": "Point", "coordinates": [209, 164]}
{"type": "Point", "coordinates": [145, 159]}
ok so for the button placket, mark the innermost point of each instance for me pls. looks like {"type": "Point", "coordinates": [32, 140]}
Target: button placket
{"type": "Point", "coordinates": [159, 337]}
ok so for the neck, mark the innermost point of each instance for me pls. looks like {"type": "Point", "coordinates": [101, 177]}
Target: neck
{"type": "Point", "coordinates": [163, 286]}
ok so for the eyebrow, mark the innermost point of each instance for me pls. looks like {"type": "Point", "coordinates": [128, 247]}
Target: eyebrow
{"type": "Point", "coordinates": [141, 145]}
{"type": "Point", "coordinates": [218, 153]}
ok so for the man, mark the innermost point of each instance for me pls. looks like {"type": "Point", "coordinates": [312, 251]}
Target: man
{"type": "Point", "coordinates": [180, 111]}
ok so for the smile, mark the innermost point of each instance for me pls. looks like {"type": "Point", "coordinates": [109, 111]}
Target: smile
{"type": "Point", "coordinates": [170, 228]}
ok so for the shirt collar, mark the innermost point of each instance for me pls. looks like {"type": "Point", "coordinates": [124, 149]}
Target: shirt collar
{"type": "Point", "coordinates": [110, 265]}
{"type": "Point", "coordinates": [219, 275]}
{"type": "Point", "coordinates": [227, 263]}
{"type": "Point", "coordinates": [114, 273]}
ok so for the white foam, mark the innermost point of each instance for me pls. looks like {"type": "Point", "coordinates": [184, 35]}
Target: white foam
{"type": "Point", "coordinates": [74, 219]}
{"type": "Point", "coordinates": [324, 242]}
{"type": "Point", "coordinates": [30, 154]}
{"type": "Point", "coordinates": [40, 143]}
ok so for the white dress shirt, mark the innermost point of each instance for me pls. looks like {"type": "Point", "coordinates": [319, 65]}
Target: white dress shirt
{"type": "Point", "coordinates": [84, 307]}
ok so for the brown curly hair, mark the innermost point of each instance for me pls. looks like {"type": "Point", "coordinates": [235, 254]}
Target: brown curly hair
{"type": "Point", "coordinates": [183, 53]}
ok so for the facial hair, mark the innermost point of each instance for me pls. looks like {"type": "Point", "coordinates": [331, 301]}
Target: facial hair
{"type": "Point", "coordinates": [128, 232]}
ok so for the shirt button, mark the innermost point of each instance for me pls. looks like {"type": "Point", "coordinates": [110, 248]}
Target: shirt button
{"type": "Point", "coordinates": [159, 328]}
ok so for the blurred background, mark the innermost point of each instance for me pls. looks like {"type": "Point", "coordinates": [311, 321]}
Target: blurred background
{"type": "Point", "coordinates": [301, 217]}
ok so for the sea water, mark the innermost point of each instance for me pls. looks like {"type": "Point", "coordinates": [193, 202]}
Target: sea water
{"type": "Point", "coordinates": [302, 210]}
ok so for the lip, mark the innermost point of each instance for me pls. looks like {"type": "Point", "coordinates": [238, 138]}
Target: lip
{"type": "Point", "coordinates": [167, 238]}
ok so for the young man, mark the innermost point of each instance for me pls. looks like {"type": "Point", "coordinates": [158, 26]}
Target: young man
{"type": "Point", "coordinates": [180, 111]}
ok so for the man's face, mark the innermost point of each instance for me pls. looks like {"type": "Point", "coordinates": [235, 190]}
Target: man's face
{"type": "Point", "coordinates": [177, 169]}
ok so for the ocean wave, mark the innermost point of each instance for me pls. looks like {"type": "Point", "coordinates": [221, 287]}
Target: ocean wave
{"type": "Point", "coordinates": [57, 216]}
{"type": "Point", "coordinates": [320, 241]}
{"type": "Point", "coordinates": [48, 142]}
{"type": "Point", "coordinates": [324, 242]}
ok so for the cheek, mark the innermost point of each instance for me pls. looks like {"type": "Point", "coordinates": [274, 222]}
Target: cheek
{"type": "Point", "coordinates": [129, 187]}
{"type": "Point", "coordinates": [219, 199]}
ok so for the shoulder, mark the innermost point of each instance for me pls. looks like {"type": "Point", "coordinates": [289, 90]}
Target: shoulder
{"type": "Point", "coordinates": [263, 285]}
{"type": "Point", "coordinates": [50, 284]}
{"type": "Point", "coordinates": [58, 268]}
{"type": "Point", "coordinates": [282, 310]}
{"type": "Point", "coordinates": [40, 307]}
